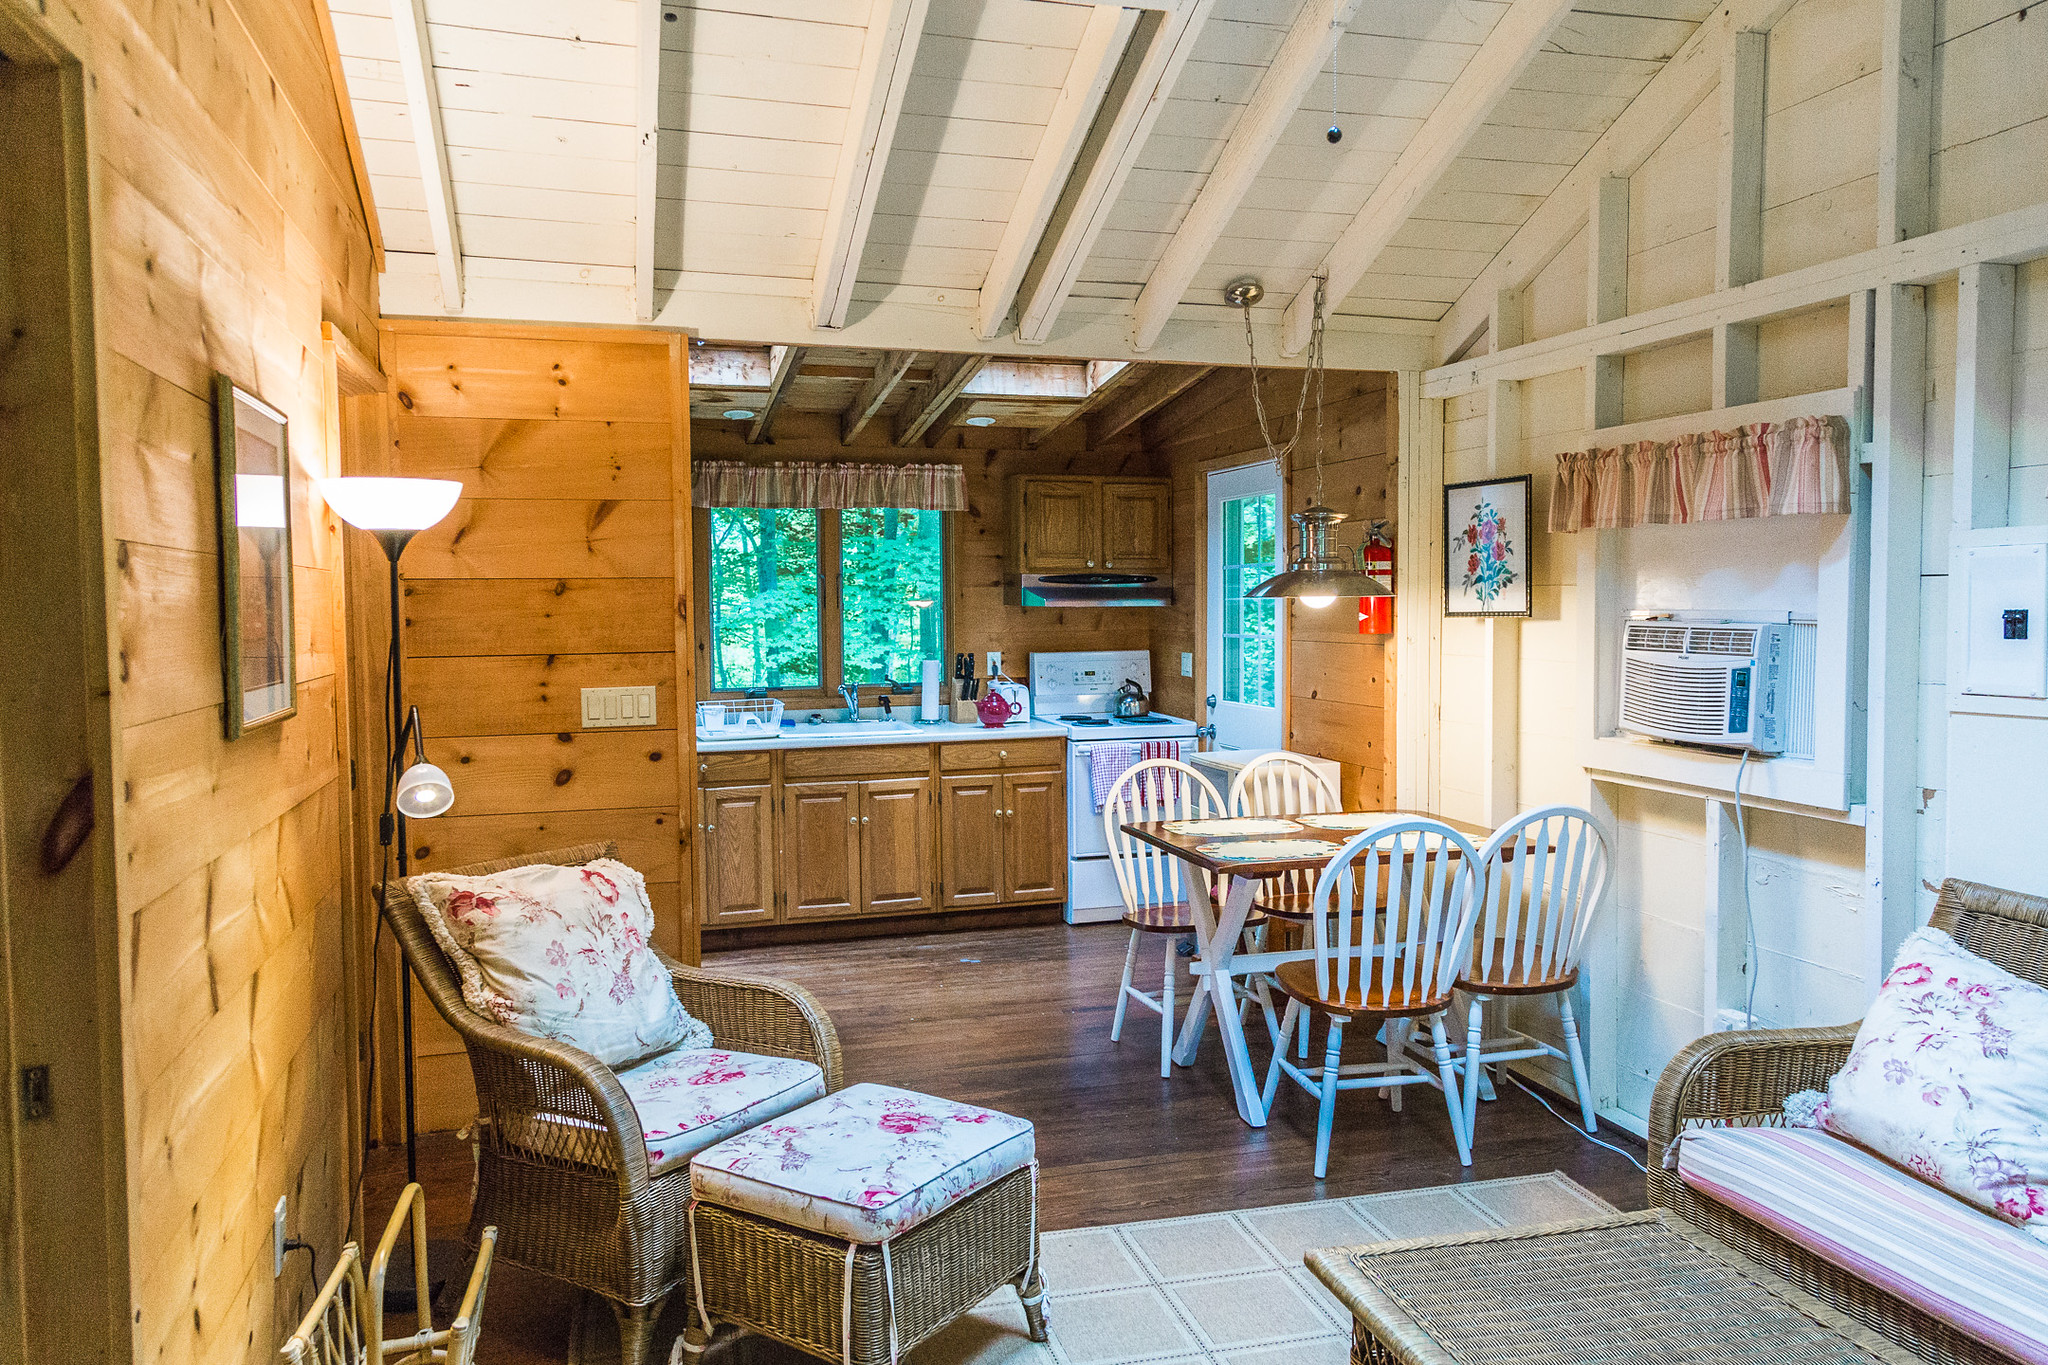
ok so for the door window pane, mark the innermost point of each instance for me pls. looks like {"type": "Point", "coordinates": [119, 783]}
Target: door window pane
{"type": "Point", "coordinates": [892, 592]}
{"type": "Point", "coordinates": [764, 598]}
{"type": "Point", "coordinates": [1250, 624]}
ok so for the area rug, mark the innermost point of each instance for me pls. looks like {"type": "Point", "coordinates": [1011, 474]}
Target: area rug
{"type": "Point", "coordinates": [1213, 1289]}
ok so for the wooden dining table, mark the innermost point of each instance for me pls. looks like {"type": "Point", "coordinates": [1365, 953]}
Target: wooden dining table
{"type": "Point", "coordinates": [1218, 932]}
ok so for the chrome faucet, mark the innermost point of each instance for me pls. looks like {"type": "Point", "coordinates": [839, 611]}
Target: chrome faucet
{"type": "Point", "coordinates": [851, 692]}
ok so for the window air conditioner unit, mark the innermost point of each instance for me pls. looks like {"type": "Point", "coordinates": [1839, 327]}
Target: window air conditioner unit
{"type": "Point", "coordinates": [1725, 684]}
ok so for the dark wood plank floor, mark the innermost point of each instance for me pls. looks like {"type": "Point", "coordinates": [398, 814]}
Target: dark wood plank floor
{"type": "Point", "coordinates": [1018, 1020]}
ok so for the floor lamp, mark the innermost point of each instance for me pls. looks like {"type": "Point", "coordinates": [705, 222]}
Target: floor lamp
{"type": "Point", "coordinates": [396, 510]}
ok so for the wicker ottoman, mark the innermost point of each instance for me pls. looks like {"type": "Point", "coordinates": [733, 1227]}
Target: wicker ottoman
{"type": "Point", "coordinates": [859, 1225]}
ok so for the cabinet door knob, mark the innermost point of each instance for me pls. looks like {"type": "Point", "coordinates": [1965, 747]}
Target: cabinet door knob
{"type": "Point", "coordinates": [863, 819]}
{"type": "Point", "coordinates": [853, 819]}
{"type": "Point", "coordinates": [1091, 563]}
{"type": "Point", "coordinates": [709, 828]}
{"type": "Point", "coordinates": [703, 767]}
{"type": "Point", "coordinates": [1109, 563]}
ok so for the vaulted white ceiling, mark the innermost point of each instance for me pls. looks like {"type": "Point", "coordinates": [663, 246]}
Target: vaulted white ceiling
{"type": "Point", "coordinates": [1007, 176]}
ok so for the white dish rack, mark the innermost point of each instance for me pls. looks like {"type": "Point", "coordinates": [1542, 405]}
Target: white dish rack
{"type": "Point", "coordinates": [739, 719]}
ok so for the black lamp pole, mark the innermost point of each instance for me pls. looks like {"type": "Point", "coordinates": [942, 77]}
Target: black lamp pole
{"type": "Point", "coordinates": [391, 827]}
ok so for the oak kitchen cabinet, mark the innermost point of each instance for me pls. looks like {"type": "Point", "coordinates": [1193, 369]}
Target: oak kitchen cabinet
{"type": "Point", "coordinates": [802, 835]}
{"type": "Point", "coordinates": [1075, 525]}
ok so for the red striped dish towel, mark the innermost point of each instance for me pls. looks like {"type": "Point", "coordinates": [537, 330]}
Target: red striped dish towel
{"type": "Point", "coordinates": [1160, 748]}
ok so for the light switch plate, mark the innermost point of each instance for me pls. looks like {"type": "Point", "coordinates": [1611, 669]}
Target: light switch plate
{"type": "Point", "coordinates": [995, 663]}
{"type": "Point", "coordinates": [277, 1238]}
{"type": "Point", "coordinates": [615, 707]}
{"type": "Point", "coordinates": [1187, 664]}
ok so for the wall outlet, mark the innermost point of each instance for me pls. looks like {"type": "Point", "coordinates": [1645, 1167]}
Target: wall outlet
{"type": "Point", "coordinates": [605, 707]}
{"type": "Point", "coordinates": [995, 663]}
{"type": "Point", "coordinates": [1187, 665]}
{"type": "Point", "coordinates": [277, 1238]}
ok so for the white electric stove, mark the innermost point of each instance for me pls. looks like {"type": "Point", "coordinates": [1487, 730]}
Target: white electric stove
{"type": "Point", "coordinates": [1077, 692]}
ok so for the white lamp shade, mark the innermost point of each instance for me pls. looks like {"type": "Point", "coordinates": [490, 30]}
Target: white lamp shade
{"type": "Point", "coordinates": [374, 504]}
{"type": "Point", "coordinates": [424, 792]}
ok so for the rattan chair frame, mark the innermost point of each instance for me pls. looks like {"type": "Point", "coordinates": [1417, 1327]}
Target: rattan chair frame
{"type": "Point", "coordinates": [1742, 1080]}
{"type": "Point", "coordinates": [562, 1167]}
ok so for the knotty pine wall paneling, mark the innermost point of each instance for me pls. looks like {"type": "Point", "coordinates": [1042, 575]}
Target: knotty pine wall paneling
{"type": "Point", "coordinates": [557, 570]}
{"type": "Point", "coordinates": [1340, 696]}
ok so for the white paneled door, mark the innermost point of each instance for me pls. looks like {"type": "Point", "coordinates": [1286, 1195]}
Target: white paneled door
{"type": "Point", "coordinates": [1246, 655]}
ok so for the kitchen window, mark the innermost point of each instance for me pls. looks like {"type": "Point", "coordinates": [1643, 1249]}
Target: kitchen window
{"type": "Point", "coordinates": [803, 599]}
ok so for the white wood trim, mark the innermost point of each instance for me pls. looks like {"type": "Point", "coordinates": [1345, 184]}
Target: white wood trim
{"type": "Point", "coordinates": [1101, 51]}
{"type": "Point", "coordinates": [889, 372]}
{"type": "Point", "coordinates": [1258, 129]}
{"type": "Point", "coordinates": [2015, 236]}
{"type": "Point", "coordinates": [785, 362]}
{"type": "Point", "coordinates": [1516, 38]}
{"type": "Point", "coordinates": [423, 108]}
{"type": "Point", "coordinates": [1072, 234]}
{"type": "Point", "coordinates": [1418, 586]}
{"type": "Point", "coordinates": [1837, 401]}
{"type": "Point", "coordinates": [1738, 256]}
{"type": "Point", "coordinates": [1606, 251]}
{"type": "Point", "coordinates": [1854, 814]}
{"type": "Point", "coordinates": [887, 55]}
{"type": "Point", "coordinates": [1499, 787]}
{"type": "Point", "coordinates": [647, 161]}
{"type": "Point", "coordinates": [1984, 392]}
{"type": "Point", "coordinates": [1906, 121]}
{"type": "Point", "coordinates": [1504, 322]}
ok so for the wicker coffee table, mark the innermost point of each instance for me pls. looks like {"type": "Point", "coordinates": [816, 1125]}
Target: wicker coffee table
{"type": "Point", "coordinates": [1623, 1288]}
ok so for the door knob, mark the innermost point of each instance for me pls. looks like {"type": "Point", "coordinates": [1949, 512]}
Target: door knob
{"type": "Point", "coordinates": [1002, 753]}
{"type": "Point", "coordinates": [853, 819]}
{"type": "Point", "coordinates": [863, 819]}
{"type": "Point", "coordinates": [703, 767]}
{"type": "Point", "coordinates": [709, 828]}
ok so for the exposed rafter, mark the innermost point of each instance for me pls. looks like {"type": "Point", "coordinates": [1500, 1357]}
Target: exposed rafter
{"type": "Point", "coordinates": [1106, 378]}
{"type": "Point", "coordinates": [1095, 63]}
{"type": "Point", "coordinates": [423, 108]}
{"type": "Point", "coordinates": [889, 372]}
{"type": "Point", "coordinates": [886, 58]}
{"type": "Point", "coordinates": [786, 362]}
{"type": "Point", "coordinates": [1168, 40]}
{"type": "Point", "coordinates": [646, 167]}
{"type": "Point", "coordinates": [1140, 399]}
{"type": "Point", "coordinates": [1258, 130]}
{"type": "Point", "coordinates": [931, 399]}
{"type": "Point", "coordinates": [1493, 70]}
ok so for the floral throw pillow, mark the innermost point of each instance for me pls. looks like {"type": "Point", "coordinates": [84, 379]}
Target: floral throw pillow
{"type": "Point", "coordinates": [561, 953]}
{"type": "Point", "coordinates": [1949, 1078]}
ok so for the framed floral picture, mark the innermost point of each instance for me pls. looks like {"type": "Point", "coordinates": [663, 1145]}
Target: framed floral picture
{"type": "Point", "coordinates": [1486, 547]}
{"type": "Point", "coordinates": [253, 494]}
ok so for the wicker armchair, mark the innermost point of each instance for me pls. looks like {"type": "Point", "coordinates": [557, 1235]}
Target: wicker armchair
{"type": "Point", "coordinates": [562, 1166]}
{"type": "Point", "coordinates": [1742, 1079]}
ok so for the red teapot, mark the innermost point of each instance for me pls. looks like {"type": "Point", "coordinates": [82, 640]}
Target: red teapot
{"type": "Point", "coordinates": [995, 709]}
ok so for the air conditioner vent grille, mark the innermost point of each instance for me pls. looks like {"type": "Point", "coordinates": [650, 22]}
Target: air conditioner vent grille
{"type": "Point", "coordinates": [1682, 701]}
{"type": "Point", "coordinates": [1656, 637]}
{"type": "Point", "coordinates": [1727, 640]}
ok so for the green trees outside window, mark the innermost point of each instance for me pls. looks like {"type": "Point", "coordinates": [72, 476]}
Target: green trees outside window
{"type": "Point", "coordinates": [891, 583]}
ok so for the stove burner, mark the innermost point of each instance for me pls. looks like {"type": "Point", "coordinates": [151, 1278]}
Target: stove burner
{"type": "Point", "coordinates": [1083, 720]}
{"type": "Point", "coordinates": [1143, 720]}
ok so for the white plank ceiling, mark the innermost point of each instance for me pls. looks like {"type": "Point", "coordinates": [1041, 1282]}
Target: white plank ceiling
{"type": "Point", "coordinates": [915, 171]}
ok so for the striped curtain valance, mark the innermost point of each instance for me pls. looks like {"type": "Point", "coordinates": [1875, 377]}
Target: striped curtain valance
{"type": "Point", "coordinates": [735, 483]}
{"type": "Point", "coordinates": [1767, 469]}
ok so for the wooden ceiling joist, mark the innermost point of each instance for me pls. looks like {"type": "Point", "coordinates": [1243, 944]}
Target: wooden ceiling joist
{"type": "Point", "coordinates": [646, 168]}
{"type": "Point", "coordinates": [1258, 130]}
{"type": "Point", "coordinates": [1492, 71]}
{"type": "Point", "coordinates": [1095, 64]}
{"type": "Point", "coordinates": [889, 372]}
{"type": "Point", "coordinates": [423, 108]}
{"type": "Point", "coordinates": [1168, 40]}
{"type": "Point", "coordinates": [788, 361]}
{"type": "Point", "coordinates": [1142, 397]}
{"type": "Point", "coordinates": [1105, 379]}
{"type": "Point", "coordinates": [887, 55]}
{"type": "Point", "coordinates": [933, 399]}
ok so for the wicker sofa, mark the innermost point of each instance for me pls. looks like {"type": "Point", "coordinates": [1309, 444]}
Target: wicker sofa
{"type": "Point", "coordinates": [562, 1166]}
{"type": "Point", "coordinates": [1743, 1079]}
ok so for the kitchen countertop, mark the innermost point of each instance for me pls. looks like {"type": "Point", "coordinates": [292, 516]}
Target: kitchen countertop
{"type": "Point", "coordinates": [803, 736]}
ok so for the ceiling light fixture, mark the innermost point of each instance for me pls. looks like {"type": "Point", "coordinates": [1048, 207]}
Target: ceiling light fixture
{"type": "Point", "coordinates": [980, 421]}
{"type": "Point", "coordinates": [737, 414]}
{"type": "Point", "coordinates": [1316, 574]}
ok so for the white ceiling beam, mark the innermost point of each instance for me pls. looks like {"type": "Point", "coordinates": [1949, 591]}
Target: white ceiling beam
{"type": "Point", "coordinates": [1652, 116]}
{"type": "Point", "coordinates": [646, 168]}
{"type": "Point", "coordinates": [1095, 64]}
{"type": "Point", "coordinates": [889, 372]}
{"type": "Point", "coordinates": [1258, 130]}
{"type": "Point", "coordinates": [887, 55]}
{"type": "Point", "coordinates": [1516, 38]}
{"type": "Point", "coordinates": [1169, 39]}
{"type": "Point", "coordinates": [787, 361]}
{"type": "Point", "coordinates": [423, 110]}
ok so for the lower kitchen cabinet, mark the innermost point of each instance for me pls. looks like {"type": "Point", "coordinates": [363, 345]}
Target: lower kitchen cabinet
{"type": "Point", "coordinates": [1034, 836]}
{"type": "Point", "coordinates": [1002, 839]}
{"type": "Point", "coordinates": [896, 827]}
{"type": "Point", "coordinates": [736, 848]}
{"type": "Point", "coordinates": [971, 841]}
{"type": "Point", "coordinates": [821, 848]}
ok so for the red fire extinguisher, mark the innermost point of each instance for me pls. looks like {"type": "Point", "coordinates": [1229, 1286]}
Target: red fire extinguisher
{"type": "Point", "coordinates": [1376, 614]}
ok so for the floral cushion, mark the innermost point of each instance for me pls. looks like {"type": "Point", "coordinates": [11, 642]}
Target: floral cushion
{"type": "Point", "coordinates": [1949, 1078]}
{"type": "Point", "coordinates": [561, 953]}
{"type": "Point", "coordinates": [864, 1165]}
{"type": "Point", "coordinates": [688, 1100]}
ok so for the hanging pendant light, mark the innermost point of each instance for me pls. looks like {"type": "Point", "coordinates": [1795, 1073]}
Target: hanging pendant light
{"type": "Point", "coordinates": [1316, 574]}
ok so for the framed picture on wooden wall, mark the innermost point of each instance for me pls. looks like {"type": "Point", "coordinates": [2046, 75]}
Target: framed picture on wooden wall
{"type": "Point", "coordinates": [253, 492]}
{"type": "Point", "coordinates": [1486, 547]}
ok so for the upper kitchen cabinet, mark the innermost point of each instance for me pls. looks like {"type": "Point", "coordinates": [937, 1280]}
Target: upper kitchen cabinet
{"type": "Point", "coordinates": [1081, 525]}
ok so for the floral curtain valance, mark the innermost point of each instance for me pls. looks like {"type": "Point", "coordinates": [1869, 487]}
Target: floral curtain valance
{"type": "Point", "coordinates": [735, 483]}
{"type": "Point", "coordinates": [1767, 469]}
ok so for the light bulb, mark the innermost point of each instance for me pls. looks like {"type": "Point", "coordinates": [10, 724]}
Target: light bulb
{"type": "Point", "coordinates": [381, 504]}
{"type": "Point", "coordinates": [424, 792]}
{"type": "Point", "coordinates": [1315, 603]}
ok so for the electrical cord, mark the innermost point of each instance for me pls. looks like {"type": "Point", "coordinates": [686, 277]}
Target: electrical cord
{"type": "Point", "coordinates": [1750, 964]}
{"type": "Point", "coordinates": [312, 1260]}
{"type": "Point", "coordinates": [1622, 1152]}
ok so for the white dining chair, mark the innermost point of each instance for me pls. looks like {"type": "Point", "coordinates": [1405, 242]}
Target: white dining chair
{"type": "Point", "coordinates": [1284, 784]}
{"type": "Point", "coordinates": [1156, 886]}
{"type": "Point", "coordinates": [1389, 970]}
{"type": "Point", "coordinates": [1543, 877]}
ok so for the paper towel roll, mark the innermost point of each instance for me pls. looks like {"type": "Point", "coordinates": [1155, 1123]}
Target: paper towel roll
{"type": "Point", "coordinates": [930, 706]}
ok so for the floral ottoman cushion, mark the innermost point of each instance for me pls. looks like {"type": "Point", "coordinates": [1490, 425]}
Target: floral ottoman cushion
{"type": "Point", "coordinates": [689, 1099]}
{"type": "Point", "coordinates": [864, 1165]}
{"type": "Point", "coordinates": [561, 953]}
{"type": "Point", "coordinates": [1949, 1078]}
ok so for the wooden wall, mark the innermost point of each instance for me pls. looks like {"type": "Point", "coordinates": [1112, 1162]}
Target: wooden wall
{"type": "Point", "coordinates": [562, 567]}
{"type": "Point", "coordinates": [978, 618]}
{"type": "Point", "coordinates": [1339, 683]}
{"type": "Point", "coordinates": [226, 227]}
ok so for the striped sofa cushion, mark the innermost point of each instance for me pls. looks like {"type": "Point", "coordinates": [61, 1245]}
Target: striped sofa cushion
{"type": "Point", "coordinates": [1984, 1277]}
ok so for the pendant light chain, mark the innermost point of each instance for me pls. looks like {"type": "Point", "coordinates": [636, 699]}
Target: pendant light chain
{"type": "Point", "coordinates": [1311, 376]}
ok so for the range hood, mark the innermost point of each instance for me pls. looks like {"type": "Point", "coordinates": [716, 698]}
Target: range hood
{"type": "Point", "coordinates": [1095, 590]}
